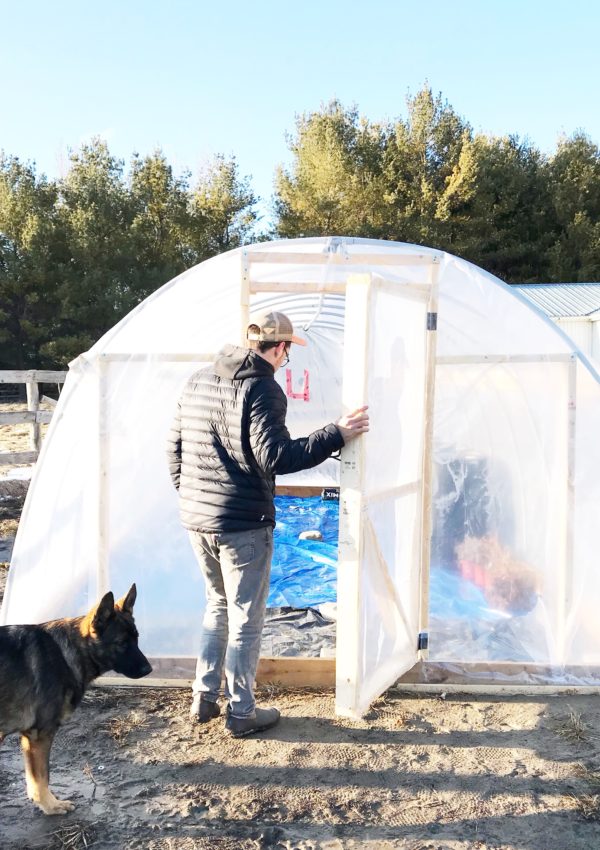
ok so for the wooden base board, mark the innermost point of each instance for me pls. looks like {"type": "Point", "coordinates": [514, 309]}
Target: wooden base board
{"type": "Point", "coordinates": [501, 674]}
{"type": "Point", "coordinates": [495, 690]}
{"type": "Point", "coordinates": [282, 490]}
{"type": "Point", "coordinates": [425, 677]}
{"type": "Point", "coordinates": [292, 673]}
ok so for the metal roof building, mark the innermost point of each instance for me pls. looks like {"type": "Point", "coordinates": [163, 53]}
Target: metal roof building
{"type": "Point", "coordinates": [561, 300]}
{"type": "Point", "coordinates": [573, 306]}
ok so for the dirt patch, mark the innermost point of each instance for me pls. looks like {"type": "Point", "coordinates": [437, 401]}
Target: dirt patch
{"type": "Point", "coordinates": [13, 489]}
{"type": "Point", "coordinates": [3, 578]}
{"type": "Point", "coordinates": [12, 498]}
{"type": "Point", "coordinates": [415, 773]}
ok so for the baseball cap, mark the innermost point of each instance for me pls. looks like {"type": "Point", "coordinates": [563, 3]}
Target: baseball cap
{"type": "Point", "coordinates": [274, 327]}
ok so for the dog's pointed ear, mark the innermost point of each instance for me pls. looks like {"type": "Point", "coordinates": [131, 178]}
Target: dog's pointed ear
{"type": "Point", "coordinates": [102, 613]}
{"type": "Point", "coordinates": [128, 601]}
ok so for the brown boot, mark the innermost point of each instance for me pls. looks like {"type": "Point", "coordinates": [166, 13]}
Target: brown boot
{"type": "Point", "coordinates": [203, 710]}
{"type": "Point", "coordinates": [263, 718]}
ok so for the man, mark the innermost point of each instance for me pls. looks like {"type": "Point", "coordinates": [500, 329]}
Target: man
{"type": "Point", "coordinates": [228, 442]}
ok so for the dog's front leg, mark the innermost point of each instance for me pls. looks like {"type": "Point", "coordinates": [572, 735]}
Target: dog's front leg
{"type": "Point", "coordinates": [36, 752]}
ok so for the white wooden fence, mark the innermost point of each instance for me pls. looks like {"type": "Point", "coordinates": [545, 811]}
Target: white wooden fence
{"type": "Point", "coordinates": [32, 379]}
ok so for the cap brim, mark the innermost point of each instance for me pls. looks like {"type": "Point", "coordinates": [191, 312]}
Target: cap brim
{"type": "Point", "coordinates": [298, 340]}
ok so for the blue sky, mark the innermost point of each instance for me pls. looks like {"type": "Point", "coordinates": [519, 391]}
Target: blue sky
{"type": "Point", "coordinates": [200, 78]}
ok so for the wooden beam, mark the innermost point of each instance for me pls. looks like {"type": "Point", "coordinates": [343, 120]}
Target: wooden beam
{"type": "Point", "coordinates": [285, 490]}
{"type": "Point", "coordinates": [349, 633]}
{"type": "Point", "coordinates": [496, 689]}
{"type": "Point", "coordinates": [564, 580]}
{"type": "Point", "coordinates": [290, 672]}
{"type": "Point", "coordinates": [427, 460]}
{"type": "Point", "coordinates": [244, 298]}
{"type": "Point", "coordinates": [419, 291]}
{"type": "Point", "coordinates": [33, 405]}
{"type": "Point", "coordinates": [124, 357]}
{"type": "Point", "coordinates": [20, 376]}
{"type": "Point", "coordinates": [305, 286]}
{"type": "Point", "coordinates": [417, 688]}
{"type": "Point", "coordinates": [103, 487]}
{"type": "Point", "coordinates": [340, 259]}
{"type": "Point", "coordinates": [481, 359]}
{"type": "Point", "coordinates": [16, 458]}
{"type": "Point", "coordinates": [337, 286]}
{"type": "Point", "coordinates": [395, 492]}
{"type": "Point", "coordinates": [297, 672]}
{"type": "Point", "coordinates": [24, 416]}
{"type": "Point", "coordinates": [499, 673]}
{"type": "Point", "coordinates": [501, 678]}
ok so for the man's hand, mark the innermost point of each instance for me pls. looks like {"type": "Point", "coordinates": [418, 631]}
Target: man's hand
{"type": "Point", "coordinates": [354, 424]}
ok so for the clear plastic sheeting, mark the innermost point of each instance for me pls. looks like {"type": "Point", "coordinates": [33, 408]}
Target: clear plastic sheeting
{"type": "Point", "coordinates": [381, 491]}
{"type": "Point", "coordinates": [501, 491]}
{"type": "Point", "coordinates": [510, 482]}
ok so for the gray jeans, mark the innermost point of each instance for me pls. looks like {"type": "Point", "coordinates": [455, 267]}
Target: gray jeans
{"type": "Point", "coordinates": [236, 568]}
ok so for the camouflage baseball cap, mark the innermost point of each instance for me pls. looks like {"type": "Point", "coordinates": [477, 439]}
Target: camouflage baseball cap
{"type": "Point", "coordinates": [274, 327]}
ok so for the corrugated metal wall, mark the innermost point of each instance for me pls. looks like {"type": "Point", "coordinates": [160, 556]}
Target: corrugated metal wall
{"type": "Point", "coordinates": [595, 334]}
{"type": "Point", "coordinates": [580, 332]}
{"type": "Point", "coordinates": [585, 333]}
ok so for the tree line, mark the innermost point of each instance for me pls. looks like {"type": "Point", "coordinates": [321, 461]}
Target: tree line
{"type": "Point", "coordinates": [79, 252]}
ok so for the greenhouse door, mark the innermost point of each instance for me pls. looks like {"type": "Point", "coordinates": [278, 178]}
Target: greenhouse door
{"type": "Point", "coordinates": [386, 352]}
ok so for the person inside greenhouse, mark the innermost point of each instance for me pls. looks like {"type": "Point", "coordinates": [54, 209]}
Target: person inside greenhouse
{"type": "Point", "coordinates": [228, 442]}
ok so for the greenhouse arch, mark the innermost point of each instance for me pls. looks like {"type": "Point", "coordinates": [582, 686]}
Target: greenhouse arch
{"type": "Point", "coordinates": [467, 515]}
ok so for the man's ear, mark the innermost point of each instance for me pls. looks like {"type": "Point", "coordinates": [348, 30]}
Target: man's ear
{"type": "Point", "coordinates": [128, 601]}
{"type": "Point", "coordinates": [104, 610]}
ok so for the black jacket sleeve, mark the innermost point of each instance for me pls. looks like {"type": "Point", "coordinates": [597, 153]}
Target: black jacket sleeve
{"type": "Point", "coordinates": [174, 448]}
{"type": "Point", "coordinates": [274, 450]}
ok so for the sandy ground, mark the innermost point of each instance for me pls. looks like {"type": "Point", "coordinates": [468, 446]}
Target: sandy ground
{"type": "Point", "coordinates": [13, 438]}
{"type": "Point", "coordinates": [415, 773]}
{"type": "Point", "coordinates": [418, 772]}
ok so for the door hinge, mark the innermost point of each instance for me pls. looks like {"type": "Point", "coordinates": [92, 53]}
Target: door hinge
{"type": "Point", "coordinates": [432, 321]}
{"type": "Point", "coordinates": [423, 641]}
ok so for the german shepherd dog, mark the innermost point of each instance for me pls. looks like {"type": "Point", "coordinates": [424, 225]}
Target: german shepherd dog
{"type": "Point", "coordinates": [44, 672]}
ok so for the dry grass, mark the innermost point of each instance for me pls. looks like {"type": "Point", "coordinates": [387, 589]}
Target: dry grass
{"type": "Point", "coordinates": [14, 438]}
{"type": "Point", "coordinates": [8, 527]}
{"type": "Point", "coordinates": [180, 842]}
{"type": "Point", "coordinates": [12, 498]}
{"type": "Point", "coordinates": [573, 729]}
{"type": "Point", "coordinates": [88, 772]}
{"type": "Point", "coordinates": [119, 727]}
{"type": "Point", "coordinates": [73, 837]}
{"type": "Point", "coordinates": [588, 806]}
{"type": "Point", "coordinates": [270, 691]}
{"type": "Point", "coordinates": [103, 697]}
{"type": "Point", "coordinates": [3, 578]}
{"type": "Point", "coordinates": [386, 709]}
{"type": "Point", "coordinates": [591, 776]}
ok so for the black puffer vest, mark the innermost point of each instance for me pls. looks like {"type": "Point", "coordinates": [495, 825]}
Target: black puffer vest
{"type": "Point", "coordinates": [229, 440]}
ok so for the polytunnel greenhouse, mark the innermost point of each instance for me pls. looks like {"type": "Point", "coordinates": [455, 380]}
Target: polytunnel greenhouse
{"type": "Point", "coordinates": [467, 515]}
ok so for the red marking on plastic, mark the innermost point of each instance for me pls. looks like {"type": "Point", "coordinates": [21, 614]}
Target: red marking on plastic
{"type": "Point", "coordinates": [305, 394]}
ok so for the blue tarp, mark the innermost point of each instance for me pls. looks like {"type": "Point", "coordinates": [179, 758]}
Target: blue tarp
{"type": "Point", "coordinates": [453, 597]}
{"type": "Point", "coordinates": [304, 572]}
